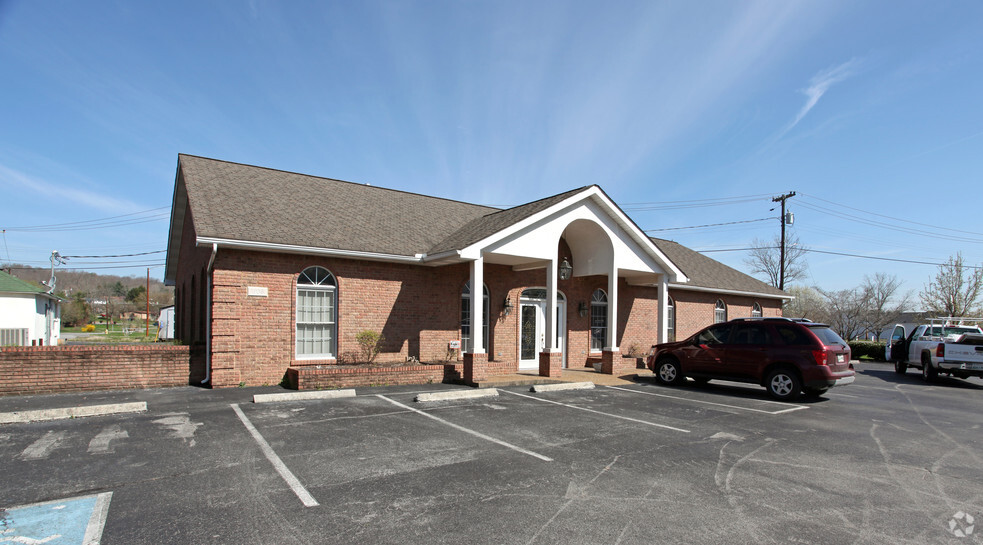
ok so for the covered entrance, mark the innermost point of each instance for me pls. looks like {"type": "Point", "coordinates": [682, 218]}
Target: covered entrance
{"type": "Point", "coordinates": [532, 327]}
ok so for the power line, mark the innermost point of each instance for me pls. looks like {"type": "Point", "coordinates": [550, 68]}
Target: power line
{"type": "Point", "coordinates": [707, 225]}
{"type": "Point", "coordinates": [841, 205]}
{"type": "Point", "coordinates": [106, 256]}
{"type": "Point", "coordinates": [810, 250]}
{"type": "Point", "coordinates": [100, 223]}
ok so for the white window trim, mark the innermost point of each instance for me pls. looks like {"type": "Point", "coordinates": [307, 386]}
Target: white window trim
{"type": "Point", "coordinates": [333, 325]}
{"type": "Point", "coordinates": [591, 328]}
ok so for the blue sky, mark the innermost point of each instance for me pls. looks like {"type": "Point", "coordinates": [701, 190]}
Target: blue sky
{"type": "Point", "coordinates": [685, 113]}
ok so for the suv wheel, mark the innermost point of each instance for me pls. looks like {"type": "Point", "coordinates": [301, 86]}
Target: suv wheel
{"type": "Point", "coordinates": [667, 371]}
{"type": "Point", "coordinates": [783, 384]}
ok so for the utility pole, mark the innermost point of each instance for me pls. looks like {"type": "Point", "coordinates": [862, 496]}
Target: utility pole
{"type": "Point", "coordinates": [148, 303]}
{"type": "Point", "coordinates": [783, 220]}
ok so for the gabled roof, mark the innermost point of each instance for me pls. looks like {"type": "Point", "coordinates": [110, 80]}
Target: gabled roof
{"type": "Point", "coordinates": [706, 274]}
{"type": "Point", "coordinates": [240, 202]}
{"type": "Point", "coordinates": [255, 207]}
{"type": "Point", "coordinates": [12, 284]}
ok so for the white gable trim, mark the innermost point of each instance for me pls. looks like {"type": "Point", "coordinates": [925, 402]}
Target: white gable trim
{"type": "Point", "coordinates": [605, 204]}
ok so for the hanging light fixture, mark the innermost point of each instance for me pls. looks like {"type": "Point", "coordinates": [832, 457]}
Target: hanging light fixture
{"type": "Point", "coordinates": [565, 270]}
{"type": "Point", "coordinates": [507, 308]}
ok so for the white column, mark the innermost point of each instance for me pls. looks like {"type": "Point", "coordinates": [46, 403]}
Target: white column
{"type": "Point", "coordinates": [611, 343]}
{"type": "Point", "coordinates": [663, 310]}
{"type": "Point", "coordinates": [551, 283]}
{"type": "Point", "coordinates": [477, 306]}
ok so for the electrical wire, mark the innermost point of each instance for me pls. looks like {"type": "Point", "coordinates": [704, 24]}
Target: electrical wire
{"type": "Point", "coordinates": [708, 225]}
{"type": "Point", "coordinates": [100, 223]}
{"type": "Point", "coordinates": [106, 256]}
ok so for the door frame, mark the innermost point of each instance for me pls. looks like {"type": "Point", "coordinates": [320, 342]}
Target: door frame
{"type": "Point", "coordinates": [540, 305]}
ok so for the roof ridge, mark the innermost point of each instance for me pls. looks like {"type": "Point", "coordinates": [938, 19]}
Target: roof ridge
{"type": "Point", "coordinates": [491, 209]}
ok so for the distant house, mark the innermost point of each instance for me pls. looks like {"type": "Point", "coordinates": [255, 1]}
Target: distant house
{"type": "Point", "coordinates": [278, 272]}
{"type": "Point", "coordinates": [28, 315]}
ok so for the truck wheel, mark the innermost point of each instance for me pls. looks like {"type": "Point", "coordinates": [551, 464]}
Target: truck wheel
{"type": "Point", "coordinates": [929, 373]}
{"type": "Point", "coordinates": [900, 367]}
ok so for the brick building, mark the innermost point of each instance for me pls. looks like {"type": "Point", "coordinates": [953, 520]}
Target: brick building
{"type": "Point", "coordinates": [276, 270]}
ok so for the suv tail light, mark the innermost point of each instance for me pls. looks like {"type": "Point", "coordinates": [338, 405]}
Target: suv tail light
{"type": "Point", "coordinates": [821, 356]}
{"type": "Point", "coordinates": [940, 350]}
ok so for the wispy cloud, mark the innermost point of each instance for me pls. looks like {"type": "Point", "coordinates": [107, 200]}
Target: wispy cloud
{"type": "Point", "coordinates": [92, 199]}
{"type": "Point", "coordinates": [818, 86]}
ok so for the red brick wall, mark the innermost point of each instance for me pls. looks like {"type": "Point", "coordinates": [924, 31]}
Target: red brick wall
{"type": "Point", "coordinates": [416, 308]}
{"type": "Point", "coordinates": [336, 376]}
{"type": "Point", "coordinates": [694, 309]}
{"type": "Point", "coordinates": [52, 369]}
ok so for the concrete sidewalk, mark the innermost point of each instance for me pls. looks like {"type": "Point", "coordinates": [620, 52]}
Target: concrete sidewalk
{"type": "Point", "coordinates": [567, 375]}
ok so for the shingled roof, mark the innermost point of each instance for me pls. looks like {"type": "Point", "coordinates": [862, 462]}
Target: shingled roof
{"type": "Point", "coordinates": [241, 202]}
{"type": "Point", "coordinates": [237, 202]}
{"type": "Point", "coordinates": [707, 273]}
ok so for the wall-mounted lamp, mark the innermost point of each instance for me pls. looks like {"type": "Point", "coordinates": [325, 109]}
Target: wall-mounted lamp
{"type": "Point", "coordinates": [565, 270]}
{"type": "Point", "coordinates": [582, 309]}
{"type": "Point", "coordinates": [507, 308]}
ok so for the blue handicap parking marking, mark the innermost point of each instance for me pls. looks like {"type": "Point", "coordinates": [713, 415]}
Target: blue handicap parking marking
{"type": "Point", "coordinates": [77, 520]}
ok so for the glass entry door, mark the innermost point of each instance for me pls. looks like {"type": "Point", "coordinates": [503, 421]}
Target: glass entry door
{"type": "Point", "coordinates": [532, 331]}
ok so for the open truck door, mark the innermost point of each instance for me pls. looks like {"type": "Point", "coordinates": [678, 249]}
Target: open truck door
{"type": "Point", "coordinates": [896, 348]}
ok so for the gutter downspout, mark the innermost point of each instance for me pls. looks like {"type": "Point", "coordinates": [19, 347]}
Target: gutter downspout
{"type": "Point", "coordinates": [208, 315]}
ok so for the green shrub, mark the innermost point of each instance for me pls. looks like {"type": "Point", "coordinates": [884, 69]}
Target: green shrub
{"type": "Point", "coordinates": [370, 343]}
{"type": "Point", "coordinates": [868, 350]}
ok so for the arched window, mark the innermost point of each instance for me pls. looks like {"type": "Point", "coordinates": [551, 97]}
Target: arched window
{"type": "Point", "coordinates": [756, 311]}
{"type": "Point", "coordinates": [719, 312]}
{"type": "Point", "coordinates": [598, 320]}
{"type": "Point", "coordinates": [466, 345]}
{"type": "Point", "coordinates": [317, 309]}
{"type": "Point", "coordinates": [671, 320]}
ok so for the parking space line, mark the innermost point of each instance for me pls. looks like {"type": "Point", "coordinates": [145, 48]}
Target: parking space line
{"type": "Point", "coordinates": [466, 430]}
{"type": "Point", "coordinates": [281, 468]}
{"type": "Point", "coordinates": [790, 409]}
{"type": "Point", "coordinates": [647, 423]}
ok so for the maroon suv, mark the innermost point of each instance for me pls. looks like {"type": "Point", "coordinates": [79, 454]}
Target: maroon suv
{"type": "Point", "coordinates": [786, 356]}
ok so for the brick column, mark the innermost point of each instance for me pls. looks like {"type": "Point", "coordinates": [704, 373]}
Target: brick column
{"type": "Point", "coordinates": [475, 367]}
{"type": "Point", "coordinates": [613, 364]}
{"type": "Point", "coordinates": [550, 364]}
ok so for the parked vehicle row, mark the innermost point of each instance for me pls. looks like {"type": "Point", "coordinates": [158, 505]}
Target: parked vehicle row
{"type": "Point", "coordinates": [945, 346]}
{"type": "Point", "coordinates": [786, 356]}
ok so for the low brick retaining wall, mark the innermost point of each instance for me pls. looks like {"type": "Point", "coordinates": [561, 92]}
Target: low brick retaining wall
{"type": "Point", "coordinates": [345, 376]}
{"type": "Point", "coordinates": [53, 369]}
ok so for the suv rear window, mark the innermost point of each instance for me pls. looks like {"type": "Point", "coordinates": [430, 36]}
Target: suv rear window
{"type": "Point", "coordinates": [794, 335]}
{"type": "Point", "coordinates": [828, 336]}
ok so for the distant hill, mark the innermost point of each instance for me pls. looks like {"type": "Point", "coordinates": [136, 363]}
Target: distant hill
{"type": "Point", "coordinates": [93, 284]}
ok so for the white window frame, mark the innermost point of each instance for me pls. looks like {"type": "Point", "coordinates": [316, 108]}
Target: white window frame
{"type": "Point", "coordinates": [316, 282]}
{"type": "Point", "coordinates": [719, 312]}
{"type": "Point", "coordinates": [466, 317]}
{"type": "Point", "coordinates": [756, 310]}
{"type": "Point", "coordinates": [599, 309]}
{"type": "Point", "coordinates": [670, 319]}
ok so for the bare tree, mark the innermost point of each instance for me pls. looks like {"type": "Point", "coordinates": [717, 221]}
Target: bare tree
{"type": "Point", "coordinates": [807, 303]}
{"type": "Point", "coordinates": [882, 302]}
{"type": "Point", "coordinates": [955, 290]}
{"type": "Point", "coordinates": [845, 311]}
{"type": "Point", "coordinates": [765, 259]}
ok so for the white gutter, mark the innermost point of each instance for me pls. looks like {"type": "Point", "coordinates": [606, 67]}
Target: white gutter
{"type": "Point", "coordinates": [307, 250]}
{"type": "Point", "coordinates": [730, 292]}
{"type": "Point", "coordinates": [208, 319]}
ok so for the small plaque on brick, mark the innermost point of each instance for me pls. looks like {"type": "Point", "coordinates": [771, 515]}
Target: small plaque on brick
{"type": "Point", "coordinates": [257, 291]}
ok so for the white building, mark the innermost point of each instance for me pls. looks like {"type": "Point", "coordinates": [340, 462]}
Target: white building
{"type": "Point", "coordinates": [28, 315]}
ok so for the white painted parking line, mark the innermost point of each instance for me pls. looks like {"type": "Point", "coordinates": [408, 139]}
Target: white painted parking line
{"type": "Point", "coordinates": [646, 422]}
{"type": "Point", "coordinates": [737, 407]}
{"type": "Point", "coordinates": [466, 430]}
{"type": "Point", "coordinates": [281, 468]}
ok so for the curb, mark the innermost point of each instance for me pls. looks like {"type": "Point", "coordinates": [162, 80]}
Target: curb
{"type": "Point", "coordinates": [456, 394]}
{"type": "Point", "coordinates": [564, 386]}
{"type": "Point", "coordinates": [302, 396]}
{"type": "Point", "coordinates": [71, 412]}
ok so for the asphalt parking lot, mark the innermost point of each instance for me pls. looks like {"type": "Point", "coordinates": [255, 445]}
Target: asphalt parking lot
{"type": "Point", "coordinates": [887, 459]}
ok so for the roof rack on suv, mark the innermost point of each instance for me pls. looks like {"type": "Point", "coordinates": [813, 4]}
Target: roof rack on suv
{"type": "Point", "coordinates": [772, 318]}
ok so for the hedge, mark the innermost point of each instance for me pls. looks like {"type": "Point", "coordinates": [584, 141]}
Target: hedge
{"type": "Point", "coordinates": [873, 350]}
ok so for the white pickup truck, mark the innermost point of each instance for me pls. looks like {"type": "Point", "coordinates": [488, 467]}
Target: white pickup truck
{"type": "Point", "coordinates": [938, 348]}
